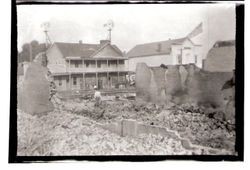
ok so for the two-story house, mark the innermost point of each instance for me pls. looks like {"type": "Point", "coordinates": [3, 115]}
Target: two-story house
{"type": "Point", "coordinates": [170, 52]}
{"type": "Point", "coordinates": [80, 66]}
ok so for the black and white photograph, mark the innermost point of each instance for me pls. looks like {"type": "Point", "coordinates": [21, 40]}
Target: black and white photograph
{"type": "Point", "coordinates": [127, 80]}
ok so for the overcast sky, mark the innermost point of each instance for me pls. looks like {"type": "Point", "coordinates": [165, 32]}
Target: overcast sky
{"type": "Point", "coordinates": [134, 24]}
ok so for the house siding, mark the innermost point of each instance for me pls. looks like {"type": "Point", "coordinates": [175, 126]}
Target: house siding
{"type": "Point", "coordinates": [55, 58]}
{"type": "Point", "coordinates": [64, 83]}
{"type": "Point", "coordinates": [190, 53]}
{"type": "Point", "coordinates": [101, 69]}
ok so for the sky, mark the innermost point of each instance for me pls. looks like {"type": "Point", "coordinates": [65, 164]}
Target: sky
{"type": "Point", "coordinates": [133, 24]}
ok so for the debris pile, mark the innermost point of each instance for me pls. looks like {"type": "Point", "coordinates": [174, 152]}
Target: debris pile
{"type": "Point", "coordinates": [203, 126]}
{"type": "Point", "coordinates": [206, 129]}
{"type": "Point", "coordinates": [68, 134]}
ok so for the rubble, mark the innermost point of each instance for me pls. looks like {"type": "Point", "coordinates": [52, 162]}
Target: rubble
{"type": "Point", "coordinates": [71, 128]}
{"type": "Point", "coordinates": [67, 134]}
{"type": "Point", "coordinates": [202, 126]}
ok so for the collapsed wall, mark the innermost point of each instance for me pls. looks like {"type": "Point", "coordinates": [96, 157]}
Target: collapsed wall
{"type": "Point", "coordinates": [157, 85]}
{"type": "Point", "coordinates": [34, 93]}
{"type": "Point", "coordinates": [181, 84]}
{"type": "Point", "coordinates": [143, 80]}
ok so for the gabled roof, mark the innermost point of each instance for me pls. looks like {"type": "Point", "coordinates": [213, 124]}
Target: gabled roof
{"type": "Point", "coordinates": [81, 49]}
{"type": "Point", "coordinates": [154, 48]}
{"type": "Point", "coordinates": [76, 49]}
{"type": "Point", "coordinates": [221, 57]}
{"type": "Point", "coordinates": [105, 45]}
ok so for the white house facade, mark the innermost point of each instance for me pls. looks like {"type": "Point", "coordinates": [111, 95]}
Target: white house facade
{"type": "Point", "coordinates": [171, 52]}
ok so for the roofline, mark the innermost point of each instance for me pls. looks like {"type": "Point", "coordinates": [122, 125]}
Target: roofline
{"type": "Point", "coordinates": [124, 58]}
{"type": "Point", "coordinates": [74, 43]}
{"type": "Point", "coordinates": [118, 58]}
{"type": "Point", "coordinates": [73, 58]}
{"type": "Point", "coordinates": [108, 43]}
{"type": "Point", "coordinates": [158, 42]}
{"type": "Point", "coordinates": [161, 41]}
{"type": "Point", "coordinates": [54, 44]}
{"type": "Point", "coordinates": [148, 55]}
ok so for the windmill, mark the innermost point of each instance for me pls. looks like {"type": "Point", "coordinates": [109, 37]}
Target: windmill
{"type": "Point", "coordinates": [45, 26]}
{"type": "Point", "coordinates": [109, 26]}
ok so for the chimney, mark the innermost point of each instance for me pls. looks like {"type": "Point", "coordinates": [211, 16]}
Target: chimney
{"type": "Point", "coordinates": [80, 41]}
{"type": "Point", "coordinates": [103, 42]}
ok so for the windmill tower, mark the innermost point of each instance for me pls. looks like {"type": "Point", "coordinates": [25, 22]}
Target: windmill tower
{"type": "Point", "coordinates": [109, 26]}
{"type": "Point", "coordinates": [45, 26]}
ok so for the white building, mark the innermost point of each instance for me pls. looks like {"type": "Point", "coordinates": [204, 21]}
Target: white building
{"type": "Point", "coordinates": [170, 52]}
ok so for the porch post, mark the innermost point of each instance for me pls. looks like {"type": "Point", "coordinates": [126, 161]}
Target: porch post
{"type": "Point", "coordinates": [70, 81]}
{"type": "Point", "coordinates": [118, 76]}
{"type": "Point", "coordinates": [108, 79]}
{"type": "Point", "coordinates": [83, 81]}
{"type": "Point", "coordinates": [96, 79]}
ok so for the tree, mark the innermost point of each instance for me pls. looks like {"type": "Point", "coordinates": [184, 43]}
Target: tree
{"type": "Point", "coordinates": [30, 50]}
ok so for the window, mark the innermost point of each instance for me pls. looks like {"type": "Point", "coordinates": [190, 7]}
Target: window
{"type": "Point", "coordinates": [187, 48]}
{"type": "Point", "coordinates": [76, 65]}
{"type": "Point", "coordinates": [87, 64]}
{"type": "Point", "coordinates": [74, 81]}
{"type": "Point", "coordinates": [99, 64]}
{"type": "Point", "coordinates": [60, 81]}
{"type": "Point", "coordinates": [179, 59]}
{"type": "Point", "coordinates": [121, 62]}
{"type": "Point", "coordinates": [195, 59]}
